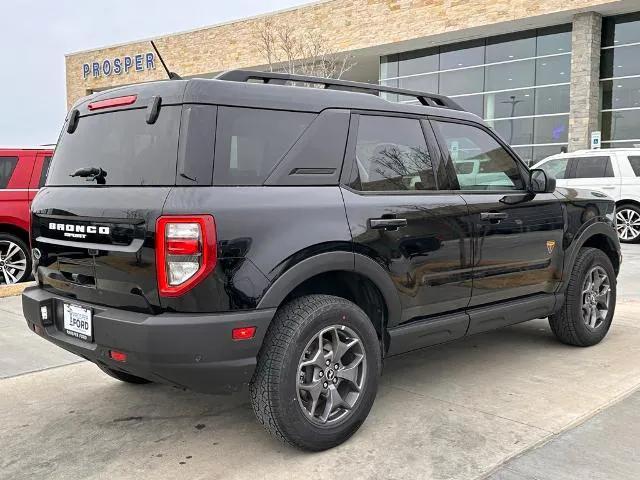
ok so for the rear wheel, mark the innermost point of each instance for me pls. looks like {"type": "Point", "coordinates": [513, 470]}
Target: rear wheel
{"type": "Point", "coordinates": [317, 372]}
{"type": "Point", "coordinates": [590, 301]}
{"type": "Point", "coordinates": [628, 223]}
{"type": "Point", "coordinates": [123, 376]}
{"type": "Point", "coordinates": [15, 260]}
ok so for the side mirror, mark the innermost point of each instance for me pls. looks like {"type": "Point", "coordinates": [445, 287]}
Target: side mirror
{"type": "Point", "coordinates": [541, 182]}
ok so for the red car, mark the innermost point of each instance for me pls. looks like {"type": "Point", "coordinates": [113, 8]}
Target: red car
{"type": "Point", "coordinates": [23, 170]}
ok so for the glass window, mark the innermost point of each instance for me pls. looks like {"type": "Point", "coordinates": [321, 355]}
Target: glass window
{"type": "Point", "coordinates": [7, 165]}
{"type": "Point", "coordinates": [462, 55]}
{"type": "Point", "coordinates": [557, 167]}
{"type": "Point", "coordinates": [511, 46]}
{"type": "Point", "coordinates": [553, 70]}
{"type": "Point", "coordinates": [249, 142]}
{"type": "Point", "coordinates": [525, 153]}
{"type": "Point", "coordinates": [472, 103]}
{"type": "Point", "coordinates": [621, 30]}
{"type": "Point", "coordinates": [635, 164]}
{"type": "Point", "coordinates": [392, 155]}
{"type": "Point", "coordinates": [552, 100]}
{"type": "Point", "coordinates": [418, 61]}
{"type": "Point", "coordinates": [481, 163]}
{"type": "Point", "coordinates": [621, 144]}
{"type": "Point", "coordinates": [510, 75]}
{"type": "Point", "coordinates": [620, 62]}
{"type": "Point", "coordinates": [469, 80]}
{"type": "Point", "coordinates": [514, 131]}
{"type": "Point", "coordinates": [389, 66]}
{"type": "Point", "coordinates": [45, 171]}
{"type": "Point", "coordinates": [554, 40]}
{"type": "Point", "coordinates": [551, 129]}
{"type": "Point", "coordinates": [621, 125]}
{"type": "Point", "coordinates": [516, 103]}
{"type": "Point", "coordinates": [130, 151]}
{"type": "Point", "coordinates": [593, 167]}
{"type": "Point", "coordinates": [422, 83]}
{"type": "Point", "coordinates": [542, 152]}
{"type": "Point", "coordinates": [622, 93]}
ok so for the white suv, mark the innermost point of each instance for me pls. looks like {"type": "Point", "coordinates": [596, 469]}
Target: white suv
{"type": "Point", "coordinates": [614, 171]}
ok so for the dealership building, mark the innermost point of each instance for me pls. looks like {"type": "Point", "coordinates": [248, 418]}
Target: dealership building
{"type": "Point", "coordinates": [545, 74]}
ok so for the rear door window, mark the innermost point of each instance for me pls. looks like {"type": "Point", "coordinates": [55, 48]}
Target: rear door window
{"type": "Point", "coordinates": [131, 151]}
{"type": "Point", "coordinates": [46, 163]}
{"type": "Point", "coordinates": [635, 164]}
{"type": "Point", "coordinates": [592, 167]}
{"type": "Point", "coordinates": [250, 142]}
{"type": "Point", "coordinates": [7, 166]}
{"type": "Point", "coordinates": [392, 155]}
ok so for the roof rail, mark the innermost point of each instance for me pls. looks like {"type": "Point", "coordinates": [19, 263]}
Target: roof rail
{"type": "Point", "coordinates": [428, 99]}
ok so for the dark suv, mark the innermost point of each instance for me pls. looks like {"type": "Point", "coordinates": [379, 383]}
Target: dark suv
{"type": "Point", "coordinates": [251, 229]}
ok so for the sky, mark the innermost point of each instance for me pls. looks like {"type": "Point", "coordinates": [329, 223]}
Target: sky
{"type": "Point", "coordinates": [36, 34]}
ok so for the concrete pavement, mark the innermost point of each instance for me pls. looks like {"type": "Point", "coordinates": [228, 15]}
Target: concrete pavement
{"type": "Point", "coordinates": [457, 411]}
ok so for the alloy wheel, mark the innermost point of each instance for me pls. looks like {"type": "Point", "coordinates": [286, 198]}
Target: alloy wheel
{"type": "Point", "coordinates": [628, 224]}
{"type": "Point", "coordinates": [331, 374]}
{"type": "Point", "coordinates": [13, 262]}
{"type": "Point", "coordinates": [596, 292]}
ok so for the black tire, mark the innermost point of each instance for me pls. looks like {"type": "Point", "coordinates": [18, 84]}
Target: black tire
{"type": "Point", "coordinates": [123, 376]}
{"type": "Point", "coordinates": [6, 239]}
{"type": "Point", "coordinates": [567, 324]}
{"type": "Point", "coordinates": [625, 212]}
{"type": "Point", "coordinates": [274, 388]}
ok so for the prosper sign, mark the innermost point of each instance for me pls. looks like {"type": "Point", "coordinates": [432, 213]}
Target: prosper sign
{"type": "Point", "coordinates": [119, 65]}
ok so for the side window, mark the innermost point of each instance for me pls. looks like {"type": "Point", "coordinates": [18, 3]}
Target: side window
{"type": "Point", "coordinates": [480, 162]}
{"type": "Point", "coordinates": [593, 167]}
{"type": "Point", "coordinates": [46, 163]}
{"type": "Point", "coordinates": [392, 155]}
{"type": "Point", "coordinates": [556, 167]}
{"type": "Point", "coordinates": [249, 142]}
{"type": "Point", "coordinates": [7, 166]}
{"type": "Point", "coordinates": [635, 164]}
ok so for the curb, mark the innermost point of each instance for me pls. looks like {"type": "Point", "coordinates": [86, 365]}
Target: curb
{"type": "Point", "coordinates": [13, 290]}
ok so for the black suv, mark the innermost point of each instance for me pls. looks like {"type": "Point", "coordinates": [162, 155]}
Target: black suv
{"type": "Point", "coordinates": [253, 229]}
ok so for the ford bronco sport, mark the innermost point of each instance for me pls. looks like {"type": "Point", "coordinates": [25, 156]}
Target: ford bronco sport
{"type": "Point", "coordinates": [250, 229]}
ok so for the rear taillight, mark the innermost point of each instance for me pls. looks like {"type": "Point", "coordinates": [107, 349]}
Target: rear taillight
{"type": "Point", "coordinates": [185, 252]}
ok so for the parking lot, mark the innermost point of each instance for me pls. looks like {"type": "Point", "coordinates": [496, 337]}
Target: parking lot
{"type": "Point", "coordinates": [457, 411]}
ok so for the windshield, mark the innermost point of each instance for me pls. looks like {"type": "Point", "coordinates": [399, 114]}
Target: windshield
{"type": "Point", "coordinates": [129, 151]}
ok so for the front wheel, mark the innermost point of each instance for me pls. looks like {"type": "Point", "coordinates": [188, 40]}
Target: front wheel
{"type": "Point", "coordinates": [590, 300]}
{"type": "Point", "coordinates": [317, 372]}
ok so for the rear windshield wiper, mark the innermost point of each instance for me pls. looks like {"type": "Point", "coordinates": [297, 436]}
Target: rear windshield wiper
{"type": "Point", "coordinates": [91, 173]}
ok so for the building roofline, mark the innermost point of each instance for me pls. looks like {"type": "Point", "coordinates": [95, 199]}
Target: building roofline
{"type": "Point", "coordinates": [206, 27]}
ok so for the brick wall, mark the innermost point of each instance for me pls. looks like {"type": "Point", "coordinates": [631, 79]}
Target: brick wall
{"type": "Point", "coordinates": [347, 24]}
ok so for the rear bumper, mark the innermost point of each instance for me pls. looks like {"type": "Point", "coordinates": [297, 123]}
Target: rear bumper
{"type": "Point", "coordinates": [185, 350]}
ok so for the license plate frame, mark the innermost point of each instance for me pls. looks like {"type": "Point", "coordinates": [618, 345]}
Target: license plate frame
{"type": "Point", "coordinates": [77, 321]}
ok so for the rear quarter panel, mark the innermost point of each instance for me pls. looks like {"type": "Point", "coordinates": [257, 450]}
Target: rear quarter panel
{"type": "Point", "coordinates": [262, 232]}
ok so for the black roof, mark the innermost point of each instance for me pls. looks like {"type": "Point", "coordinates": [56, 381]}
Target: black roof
{"type": "Point", "coordinates": [271, 96]}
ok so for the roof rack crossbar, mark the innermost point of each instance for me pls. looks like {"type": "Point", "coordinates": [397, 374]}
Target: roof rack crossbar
{"type": "Point", "coordinates": [428, 99]}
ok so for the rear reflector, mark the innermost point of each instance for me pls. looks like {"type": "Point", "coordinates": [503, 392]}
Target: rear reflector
{"type": "Point", "coordinates": [243, 333]}
{"type": "Point", "coordinates": [185, 252]}
{"type": "Point", "coordinates": [113, 102]}
{"type": "Point", "coordinates": [117, 356]}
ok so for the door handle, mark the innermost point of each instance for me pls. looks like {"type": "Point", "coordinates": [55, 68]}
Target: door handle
{"type": "Point", "coordinates": [608, 188]}
{"type": "Point", "coordinates": [387, 223]}
{"type": "Point", "coordinates": [495, 217]}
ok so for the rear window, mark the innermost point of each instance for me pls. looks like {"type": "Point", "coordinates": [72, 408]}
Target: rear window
{"type": "Point", "coordinates": [250, 142]}
{"type": "Point", "coordinates": [7, 165]}
{"type": "Point", "coordinates": [123, 144]}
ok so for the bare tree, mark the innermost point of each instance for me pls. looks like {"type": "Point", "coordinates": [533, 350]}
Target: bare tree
{"type": "Point", "coordinates": [300, 51]}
